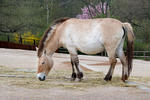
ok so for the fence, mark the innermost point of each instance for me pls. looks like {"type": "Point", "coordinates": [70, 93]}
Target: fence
{"type": "Point", "coordinates": [142, 54]}
{"type": "Point", "coordinates": [17, 42]}
{"type": "Point", "coordinates": [18, 39]}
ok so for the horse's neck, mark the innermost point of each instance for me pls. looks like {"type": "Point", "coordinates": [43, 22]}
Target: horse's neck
{"type": "Point", "coordinates": [51, 46]}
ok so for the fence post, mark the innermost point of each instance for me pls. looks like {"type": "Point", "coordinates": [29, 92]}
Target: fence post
{"type": "Point", "coordinates": [144, 54]}
{"type": "Point", "coordinates": [20, 39]}
{"type": "Point", "coordinates": [34, 42]}
{"type": "Point", "coordinates": [8, 38]}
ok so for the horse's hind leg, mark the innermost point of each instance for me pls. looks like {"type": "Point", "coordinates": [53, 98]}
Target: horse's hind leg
{"type": "Point", "coordinates": [122, 58]}
{"type": "Point", "coordinates": [111, 51]}
{"type": "Point", "coordinates": [113, 62]}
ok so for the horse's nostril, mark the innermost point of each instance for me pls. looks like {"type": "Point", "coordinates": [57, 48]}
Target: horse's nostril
{"type": "Point", "coordinates": [42, 79]}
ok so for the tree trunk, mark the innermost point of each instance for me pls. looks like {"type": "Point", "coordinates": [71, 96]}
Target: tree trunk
{"type": "Point", "coordinates": [108, 8]}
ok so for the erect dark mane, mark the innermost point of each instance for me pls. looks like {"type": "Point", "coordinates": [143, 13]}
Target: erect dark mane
{"type": "Point", "coordinates": [57, 21]}
{"type": "Point", "coordinates": [41, 43]}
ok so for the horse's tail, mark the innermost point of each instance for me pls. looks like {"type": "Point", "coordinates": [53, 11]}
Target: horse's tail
{"type": "Point", "coordinates": [130, 45]}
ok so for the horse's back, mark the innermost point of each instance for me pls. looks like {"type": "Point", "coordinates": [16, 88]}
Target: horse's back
{"type": "Point", "coordinates": [90, 35]}
{"type": "Point", "coordinates": [88, 27]}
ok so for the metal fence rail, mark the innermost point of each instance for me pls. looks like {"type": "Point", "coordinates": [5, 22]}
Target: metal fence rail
{"type": "Point", "coordinates": [21, 40]}
{"type": "Point", "coordinates": [143, 54]}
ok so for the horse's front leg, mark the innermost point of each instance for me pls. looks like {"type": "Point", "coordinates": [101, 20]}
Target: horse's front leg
{"type": "Point", "coordinates": [79, 73]}
{"type": "Point", "coordinates": [73, 76]}
{"type": "Point", "coordinates": [75, 61]}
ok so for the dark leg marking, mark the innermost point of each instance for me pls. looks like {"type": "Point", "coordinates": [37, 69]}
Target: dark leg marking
{"type": "Point", "coordinates": [124, 70]}
{"type": "Point", "coordinates": [73, 76]}
{"type": "Point", "coordinates": [124, 77]}
{"type": "Point", "coordinates": [108, 77]}
{"type": "Point", "coordinates": [79, 73]}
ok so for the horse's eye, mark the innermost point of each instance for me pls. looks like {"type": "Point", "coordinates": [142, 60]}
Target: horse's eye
{"type": "Point", "coordinates": [43, 63]}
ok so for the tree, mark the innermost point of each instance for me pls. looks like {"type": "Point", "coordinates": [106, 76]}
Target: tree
{"type": "Point", "coordinates": [96, 8]}
{"type": "Point", "coordinates": [34, 15]}
{"type": "Point", "coordinates": [130, 10]}
{"type": "Point", "coordinates": [20, 16]}
{"type": "Point", "coordinates": [137, 13]}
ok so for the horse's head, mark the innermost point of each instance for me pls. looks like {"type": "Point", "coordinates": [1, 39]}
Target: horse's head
{"type": "Point", "coordinates": [45, 63]}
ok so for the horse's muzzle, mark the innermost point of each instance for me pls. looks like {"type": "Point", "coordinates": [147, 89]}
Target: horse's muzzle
{"type": "Point", "coordinates": [42, 79]}
{"type": "Point", "coordinates": [41, 76]}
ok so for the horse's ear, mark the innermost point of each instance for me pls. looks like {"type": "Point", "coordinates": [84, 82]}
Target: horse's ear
{"type": "Point", "coordinates": [37, 48]}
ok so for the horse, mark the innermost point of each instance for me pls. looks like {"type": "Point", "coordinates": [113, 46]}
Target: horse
{"type": "Point", "coordinates": [90, 36]}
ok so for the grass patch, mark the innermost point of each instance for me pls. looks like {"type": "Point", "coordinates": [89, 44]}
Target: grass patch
{"type": "Point", "coordinates": [59, 79]}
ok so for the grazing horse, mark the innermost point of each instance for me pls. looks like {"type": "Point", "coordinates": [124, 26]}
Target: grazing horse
{"type": "Point", "coordinates": [89, 36]}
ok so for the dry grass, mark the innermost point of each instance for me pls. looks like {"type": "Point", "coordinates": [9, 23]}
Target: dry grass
{"type": "Point", "coordinates": [60, 79]}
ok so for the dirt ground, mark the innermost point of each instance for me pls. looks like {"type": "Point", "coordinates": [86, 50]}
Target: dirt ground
{"type": "Point", "coordinates": [18, 79]}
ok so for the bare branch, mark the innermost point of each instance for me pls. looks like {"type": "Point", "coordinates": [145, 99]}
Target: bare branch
{"type": "Point", "coordinates": [11, 30]}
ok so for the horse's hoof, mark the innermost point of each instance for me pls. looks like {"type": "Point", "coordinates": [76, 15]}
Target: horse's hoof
{"type": "Point", "coordinates": [73, 76]}
{"type": "Point", "coordinates": [108, 78]}
{"type": "Point", "coordinates": [124, 78]}
{"type": "Point", "coordinates": [80, 75]}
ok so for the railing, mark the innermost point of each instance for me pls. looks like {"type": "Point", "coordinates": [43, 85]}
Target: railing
{"type": "Point", "coordinates": [18, 39]}
{"type": "Point", "coordinates": [142, 54]}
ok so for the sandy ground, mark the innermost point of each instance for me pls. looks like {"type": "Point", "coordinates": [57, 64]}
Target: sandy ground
{"type": "Point", "coordinates": [28, 60]}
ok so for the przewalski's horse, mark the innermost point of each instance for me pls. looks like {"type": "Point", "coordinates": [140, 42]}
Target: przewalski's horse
{"type": "Point", "coordinates": [89, 36]}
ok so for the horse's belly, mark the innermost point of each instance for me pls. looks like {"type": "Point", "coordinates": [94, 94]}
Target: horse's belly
{"type": "Point", "coordinates": [91, 46]}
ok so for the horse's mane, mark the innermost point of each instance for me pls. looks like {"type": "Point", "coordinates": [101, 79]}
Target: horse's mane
{"type": "Point", "coordinates": [48, 31]}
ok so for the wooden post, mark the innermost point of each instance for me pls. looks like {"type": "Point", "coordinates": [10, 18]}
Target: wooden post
{"type": "Point", "coordinates": [34, 42]}
{"type": "Point", "coordinates": [8, 38]}
{"type": "Point", "coordinates": [20, 39]}
{"type": "Point", "coordinates": [144, 54]}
